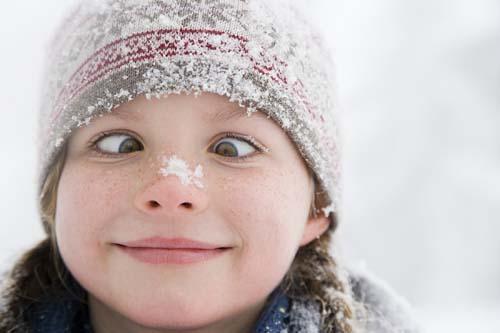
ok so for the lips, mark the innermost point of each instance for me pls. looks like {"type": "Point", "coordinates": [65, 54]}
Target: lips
{"type": "Point", "coordinates": [159, 250]}
{"type": "Point", "coordinates": [171, 243]}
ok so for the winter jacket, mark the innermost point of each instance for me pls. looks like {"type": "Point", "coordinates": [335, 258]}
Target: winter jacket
{"type": "Point", "coordinates": [387, 313]}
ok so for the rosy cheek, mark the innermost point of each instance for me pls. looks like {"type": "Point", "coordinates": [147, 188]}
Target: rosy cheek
{"type": "Point", "coordinates": [250, 203]}
{"type": "Point", "coordinates": [86, 200]}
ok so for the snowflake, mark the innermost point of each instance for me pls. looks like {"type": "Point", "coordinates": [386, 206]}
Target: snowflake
{"type": "Point", "coordinates": [213, 11]}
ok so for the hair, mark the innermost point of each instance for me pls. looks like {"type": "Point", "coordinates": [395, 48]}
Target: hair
{"type": "Point", "coordinates": [40, 271]}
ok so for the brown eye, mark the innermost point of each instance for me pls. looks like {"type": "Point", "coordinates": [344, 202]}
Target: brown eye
{"type": "Point", "coordinates": [117, 144]}
{"type": "Point", "coordinates": [234, 147]}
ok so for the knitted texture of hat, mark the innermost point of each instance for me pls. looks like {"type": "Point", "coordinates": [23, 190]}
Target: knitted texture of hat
{"type": "Point", "coordinates": [261, 54]}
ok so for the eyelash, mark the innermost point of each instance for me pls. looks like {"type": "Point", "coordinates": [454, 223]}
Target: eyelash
{"type": "Point", "coordinates": [93, 143]}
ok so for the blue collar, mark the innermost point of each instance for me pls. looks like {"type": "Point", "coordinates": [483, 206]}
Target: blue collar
{"type": "Point", "coordinates": [274, 317]}
{"type": "Point", "coordinates": [65, 314]}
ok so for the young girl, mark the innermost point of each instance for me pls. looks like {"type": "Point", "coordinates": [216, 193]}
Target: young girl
{"type": "Point", "coordinates": [190, 178]}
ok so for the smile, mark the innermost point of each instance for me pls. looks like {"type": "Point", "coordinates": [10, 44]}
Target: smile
{"type": "Point", "coordinates": [171, 256]}
{"type": "Point", "coordinates": [158, 250]}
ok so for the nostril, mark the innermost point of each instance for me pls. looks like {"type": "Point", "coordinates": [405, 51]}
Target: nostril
{"type": "Point", "coordinates": [154, 204]}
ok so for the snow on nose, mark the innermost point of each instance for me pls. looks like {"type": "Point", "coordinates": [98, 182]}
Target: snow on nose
{"type": "Point", "coordinates": [177, 166]}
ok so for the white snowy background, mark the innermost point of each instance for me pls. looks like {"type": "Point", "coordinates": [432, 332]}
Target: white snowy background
{"type": "Point", "coordinates": [419, 103]}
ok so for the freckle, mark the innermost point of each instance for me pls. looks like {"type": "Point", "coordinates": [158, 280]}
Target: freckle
{"type": "Point", "coordinates": [226, 182]}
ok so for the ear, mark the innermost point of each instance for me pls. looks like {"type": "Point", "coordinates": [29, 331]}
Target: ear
{"type": "Point", "coordinates": [314, 228]}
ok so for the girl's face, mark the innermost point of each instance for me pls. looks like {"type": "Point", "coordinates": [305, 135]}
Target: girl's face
{"type": "Point", "coordinates": [122, 189]}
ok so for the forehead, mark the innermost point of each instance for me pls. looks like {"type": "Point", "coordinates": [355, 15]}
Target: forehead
{"type": "Point", "coordinates": [217, 113]}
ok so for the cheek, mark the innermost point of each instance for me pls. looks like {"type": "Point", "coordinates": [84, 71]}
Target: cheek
{"type": "Point", "coordinates": [264, 203]}
{"type": "Point", "coordinates": [268, 212]}
{"type": "Point", "coordinates": [86, 201]}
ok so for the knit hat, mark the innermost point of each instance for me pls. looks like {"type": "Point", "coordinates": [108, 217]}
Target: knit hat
{"type": "Point", "coordinates": [261, 54]}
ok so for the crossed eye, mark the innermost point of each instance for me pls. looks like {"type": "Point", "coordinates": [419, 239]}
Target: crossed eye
{"type": "Point", "coordinates": [120, 143]}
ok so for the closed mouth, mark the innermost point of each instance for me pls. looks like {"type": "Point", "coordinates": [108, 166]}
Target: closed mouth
{"type": "Point", "coordinates": [156, 256]}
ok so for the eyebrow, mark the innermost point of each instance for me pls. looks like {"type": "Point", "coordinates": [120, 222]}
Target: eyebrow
{"type": "Point", "coordinates": [125, 114]}
{"type": "Point", "coordinates": [225, 114]}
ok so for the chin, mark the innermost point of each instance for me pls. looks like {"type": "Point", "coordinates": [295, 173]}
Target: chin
{"type": "Point", "coordinates": [171, 316]}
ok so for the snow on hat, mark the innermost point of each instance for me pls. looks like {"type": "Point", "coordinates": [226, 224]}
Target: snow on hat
{"type": "Point", "coordinates": [262, 54]}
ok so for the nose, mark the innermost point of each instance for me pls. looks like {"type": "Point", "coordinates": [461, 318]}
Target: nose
{"type": "Point", "coordinates": [168, 196]}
